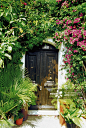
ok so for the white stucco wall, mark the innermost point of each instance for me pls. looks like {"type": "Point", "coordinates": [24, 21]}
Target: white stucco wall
{"type": "Point", "coordinates": [62, 73]}
{"type": "Point", "coordinates": [23, 66]}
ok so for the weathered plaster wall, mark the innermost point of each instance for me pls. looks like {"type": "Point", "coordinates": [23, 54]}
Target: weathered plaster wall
{"type": "Point", "coordinates": [62, 73]}
{"type": "Point", "coordinates": [23, 66]}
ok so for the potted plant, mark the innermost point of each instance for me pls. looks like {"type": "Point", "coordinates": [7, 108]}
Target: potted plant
{"type": "Point", "coordinates": [72, 115]}
{"type": "Point", "coordinates": [23, 93]}
{"type": "Point", "coordinates": [19, 118]}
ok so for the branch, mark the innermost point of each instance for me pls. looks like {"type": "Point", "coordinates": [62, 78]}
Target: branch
{"type": "Point", "coordinates": [22, 35]}
{"type": "Point", "coordinates": [84, 66]}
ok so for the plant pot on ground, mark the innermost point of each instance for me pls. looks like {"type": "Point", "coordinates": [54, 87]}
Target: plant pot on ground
{"type": "Point", "coordinates": [71, 114]}
{"type": "Point", "coordinates": [72, 125]}
{"type": "Point", "coordinates": [25, 111]}
{"type": "Point", "coordinates": [61, 118]}
{"type": "Point", "coordinates": [19, 118]}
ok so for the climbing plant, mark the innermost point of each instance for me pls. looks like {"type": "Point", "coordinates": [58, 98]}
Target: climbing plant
{"type": "Point", "coordinates": [71, 31]}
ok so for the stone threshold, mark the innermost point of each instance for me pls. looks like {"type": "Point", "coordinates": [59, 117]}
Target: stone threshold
{"type": "Point", "coordinates": [43, 112]}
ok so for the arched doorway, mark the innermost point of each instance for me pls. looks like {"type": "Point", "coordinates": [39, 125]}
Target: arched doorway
{"type": "Point", "coordinates": [42, 65]}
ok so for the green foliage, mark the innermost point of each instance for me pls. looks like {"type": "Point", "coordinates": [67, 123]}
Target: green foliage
{"type": "Point", "coordinates": [24, 25]}
{"type": "Point", "coordinates": [18, 116]}
{"type": "Point", "coordinates": [71, 113]}
{"type": "Point", "coordinates": [3, 120]}
{"type": "Point", "coordinates": [54, 97]}
{"type": "Point", "coordinates": [9, 75]}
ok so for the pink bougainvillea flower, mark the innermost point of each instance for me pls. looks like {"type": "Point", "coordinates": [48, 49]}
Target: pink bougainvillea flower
{"type": "Point", "coordinates": [70, 27]}
{"type": "Point", "coordinates": [58, 1]}
{"type": "Point", "coordinates": [73, 73]}
{"type": "Point", "coordinates": [67, 78]}
{"type": "Point", "coordinates": [65, 38]}
{"type": "Point", "coordinates": [71, 66]}
{"type": "Point", "coordinates": [76, 20]}
{"type": "Point", "coordinates": [59, 22]}
{"type": "Point", "coordinates": [65, 3]}
{"type": "Point", "coordinates": [56, 34]}
{"type": "Point", "coordinates": [84, 33]}
{"type": "Point", "coordinates": [74, 10]}
{"type": "Point", "coordinates": [64, 19]}
{"type": "Point", "coordinates": [75, 90]}
{"type": "Point", "coordinates": [68, 22]}
{"type": "Point", "coordinates": [69, 71]}
{"type": "Point", "coordinates": [81, 14]}
{"type": "Point", "coordinates": [71, 40]}
{"type": "Point", "coordinates": [25, 3]}
{"type": "Point", "coordinates": [75, 51]}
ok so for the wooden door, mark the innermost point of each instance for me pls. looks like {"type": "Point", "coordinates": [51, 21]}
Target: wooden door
{"type": "Point", "coordinates": [42, 66]}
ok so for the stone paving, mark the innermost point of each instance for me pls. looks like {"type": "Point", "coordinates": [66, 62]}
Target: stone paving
{"type": "Point", "coordinates": [39, 121]}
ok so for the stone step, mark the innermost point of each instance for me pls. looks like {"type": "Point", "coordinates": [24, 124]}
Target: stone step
{"type": "Point", "coordinates": [42, 107]}
{"type": "Point", "coordinates": [43, 112]}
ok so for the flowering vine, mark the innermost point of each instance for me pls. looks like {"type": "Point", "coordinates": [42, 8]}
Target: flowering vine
{"type": "Point", "coordinates": [72, 32]}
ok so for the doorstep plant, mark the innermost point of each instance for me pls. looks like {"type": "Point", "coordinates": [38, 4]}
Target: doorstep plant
{"type": "Point", "coordinates": [18, 116]}
{"type": "Point", "coordinates": [71, 114]}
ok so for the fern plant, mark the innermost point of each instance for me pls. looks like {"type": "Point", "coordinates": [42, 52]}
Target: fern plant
{"type": "Point", "coordinates": [4, 123]}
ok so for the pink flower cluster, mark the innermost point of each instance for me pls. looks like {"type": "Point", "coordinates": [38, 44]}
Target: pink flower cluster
{"type": "Point", "coordinates": [56, 35]}
{"type": "Point", "coordinates": [58, 1]}
{"type": "Point", "coordinates": [65, 4]}
{"type": "Point", "coordinates": [76, 35]}
{"type": "Point", "coordinates": [74, 10]}
{"type": "Point", "coordinates": [68, 58]}
{"type": "Point", "coordinates": [76, 20]}
{"type": "Point", "coordinates": [74, 1]}
{"type": "Point", "coordinates": [24, 3]}
{"type": "Point", "coordinates": [81, 15]}
{"type": "Point", "coordinates": [84, 33]}
{"type": "Point", "coordinates": [68, 22]}
{"type": "Point", "coordinates": [58, 22]}
{"type": "Point", "coordinates": [82, 44]}
{"type": "Point", "coordinates": [75, 51]}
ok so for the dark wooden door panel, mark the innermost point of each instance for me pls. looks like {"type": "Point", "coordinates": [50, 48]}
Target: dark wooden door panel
{"type": "Point", "coordinates": [42, 68]}
{"type": "Point", "coordinates": [32, 67]}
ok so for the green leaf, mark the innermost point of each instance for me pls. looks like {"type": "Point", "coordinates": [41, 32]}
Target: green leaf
{"type": "Point", "coordinates": [77, 121]}
{"type": "Point", "coordinates": [10, 8]}
{"type": "Point", "coordinates": [84, 57]}
{"type": "Point", "coordinates": [7, 55]}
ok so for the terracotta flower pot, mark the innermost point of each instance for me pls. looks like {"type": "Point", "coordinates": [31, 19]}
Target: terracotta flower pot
{"type": "Point", "coordinates": [61, 119]}
{"type": "Point", "coordinates": [19, 121]}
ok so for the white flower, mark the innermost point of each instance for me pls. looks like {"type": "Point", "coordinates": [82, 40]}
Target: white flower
{"type": "Point", "coordinates": [9, 48]}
